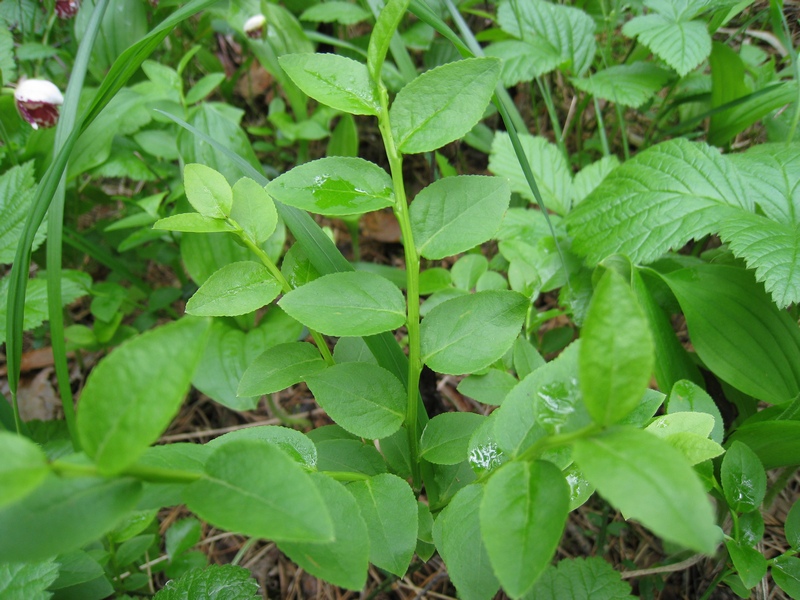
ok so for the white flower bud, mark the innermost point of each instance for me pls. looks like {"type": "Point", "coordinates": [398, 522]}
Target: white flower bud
{"type": "Point", "coordinates": [38, 101]}
{"type": "Point", "coordinates": [254, 26]}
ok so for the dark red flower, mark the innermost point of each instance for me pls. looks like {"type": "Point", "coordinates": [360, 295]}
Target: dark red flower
{"type": "Point", "coordinates": [38, 101]}
{"type": "Point", "coordinates": [66, 9]}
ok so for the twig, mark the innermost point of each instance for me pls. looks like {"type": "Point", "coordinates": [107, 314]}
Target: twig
{"type": "Point", "coordinates": [680, 566]}
{"type": "Point", "coordinates": [178, 437]}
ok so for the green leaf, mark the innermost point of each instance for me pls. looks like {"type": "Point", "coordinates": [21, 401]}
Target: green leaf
{"type": "Point", "coordinates": [738, 331]}
{"type": "Point", "coordinates": [365, 399]}
{"type": "Point", "coordinates": [650, 481]}
{"type": "Point", "coordinates": [776, 443]}
{"type": "Point", "coordinates": [445, 440]}
{"type": "Point", "coordinates": [334, 186]}
{"type": "Point", "coordinates": [181, 536]}
{"type": "Point", "coordinates": [681, 42]}
{"type": "Point", "coordinates": [76, 567]}
{"type": "Point", "coordinates": [792, 526]}
{"type": "Point", "coordinates": [751, 566]}
{"type": "Point", "coordinates": [553, 174]}
{"type": "Point", "coordinates": [293, 443]}
{"type": "Point", "coordinates": [786, 574]}
{"type": "Point", "coordinates": [660, 199]}
{"type": "Point", "coordinates": [524, 60]}
{"type": "Point", "coordinates": [8, 66]}
{"type": "Point", "coordinates": [23, 469]}
{"type": "Point", "coordinates": [349, 455]}
{"type": "Point", "coordinates": [443, 104]}
{"type": "Point", "coordinates": [687, 396]}
{"type": "Point", "coordinates": [254, 210]}
{"type": "Point", "coordinates": [569, 31]}
{"type": "Point", "coordinates": [204, 87]}
{"type": "Point", "coordinates": [455, 214]}
{"type": "Point", "coordinates": [27, 581]}
{"type": "Point", "coordinates": [615, 361]}
{"type": "Point", "coordinates": [390, 511]}
{"type": "Point", "coordinates": [688, 432]}
{"type": "Point", "coordinates": [457, 534]}
{"type": "Point", "coordinates": [627, 85]}
{"type": "Point", "coordinates": [63, 515]}
{"type": "Point", "coordinates": [193, 223]}
{"type": "Point", "coordinates": [17, 187]}
{"type": "Point", "coordinates": [589, 177]}
{"type": "Point", "coordinates": [339, 82]}
{"type": "Point", "coordinates": [345, 560]}
{"type": "Point", "coordinates": [226, 582]}
{"type": "Point", "coordinates": [207, 191]}
{"type": "Point", "coordinates": [581, 579]}
{"type": "Point", "coordinates": [236, 289]}
{"type": "Point", "coordinates": [347, 304]}
{"type": "Point", "coordinates": [385, 27]}
{"type": "Point", "coordinates": [743, 478]}
{"type": "Point", "coordinates": [335, 11]}
{"type": "Point", "coordinates": [489, 388]}
{"type": "Point", "coordinates": [133, 393]}
{"type": "Point", "coordinates": [523, 513]}
{"type": "Point", "coordinates": [254, 488]}
{"type": "Point", "coordinates": [468, 333]}
{"type": "Point", "coordinates": [280, 367]}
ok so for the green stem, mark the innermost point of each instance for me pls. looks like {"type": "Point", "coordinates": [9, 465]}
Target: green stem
{"type": "Point", "coordinates": [243, 550]}
{"type": "Point", "coordinates": [346, 475]}
{"type": "Point", "coordinates": [544, 88]}
{"type": "Point", "coordinates": [623, 130]}
{"type": "Point", "coordinates": [601, 128]}
{"type": "Point", "coordinates": [412, 283]}
{"type": "Point", "coordinates": [555, 441]}
{"type": "Point", "coordinates": [141, 472]}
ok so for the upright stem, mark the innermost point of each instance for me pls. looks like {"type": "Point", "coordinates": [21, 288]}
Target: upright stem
{"type": "Point", "coordinates": [544, 88]}
{"type": "Point", "coordinates": [412, 284]}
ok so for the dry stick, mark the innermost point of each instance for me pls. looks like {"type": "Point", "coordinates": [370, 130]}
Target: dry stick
{"type": "Point", "coordinates": [178, 437]}
{"type": "Point", "coordinates": [684, 564]}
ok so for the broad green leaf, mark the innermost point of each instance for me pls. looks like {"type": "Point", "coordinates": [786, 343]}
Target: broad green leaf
{"type": "Point", "coordinates": [365, 399]}
{"type": "Point", "coordinates": [743, 478]}
{"type": "Point", "coordinates": [752, 107]}
{"type": "Point", "coordinates": [650, 481]}
{"type": "Point", "coordinates": [390, 511]}
{"type": "Point", "coordinates": [660, 199]}
{"type": "Point", "coordinates": [727, 84]}
{"type": "Point", "coordinates": [280, 367]}
{"type": "Point", "coordinates": [681, 42]}
{"type": "Point", "coordinates": [23, 468]}
{"type": "Point", "coordinates": [687, 432]}
{"type": "Point", "coordinates": [776, 443]}
{"type": "Point", "coordinates": [751, 566]}
{"type": "Point", "coordinates": [467, 270]}
{"type": "Point", "coordinates": [615, 360]}
{"type": "Point", "coordinates": [334, 186]}
{"type": "Point", "coordinates": [181, 536]}
{"type": "Point", "coordinates": [347, 304]}
{"type": "Point", "coordinates": [185, 457]}
{"type": "Point", "coordinates": [349, 455]}
{"type": "Point", "coordinates": [203, 255]}
{"type": "Point", "coordinates": [345, 560]}
{"type": "Point", "coordinates": [133, 393]}
{"type": "Point", "coordinates": [792, 526]}
{"type": "Point", "coordinates": [76, 567]}
{"type": "Point", "coordinates": [738, 331]}
{"type": "Point", "coordinates": [434, 280]}
{"type": "Point", "coordinates": [204, 87]}
{"type": "Point", "coordinates": [484, 454]}
{"type": "Point", "coordinates": [236, 289]}
{"type": "Point", "coordinates": [569, 31]}
{"type": "Point", "coordinates": [254, 488]}
{"type": "Point", "coordinates": [294, 444]}
{"type": "Point", "coordinates": [488, 388]}
{"type": "Point", "coordinates": [581, 579]}
{"type": "Point", "coordinates": [470, 332]}
{"type": "Point", "coordinates": [253, 210]}
{"type": "Point", "coordinates": [445, 440]}
{"type": "Point", "coordinates": [553, 174]}
{"type": "Point", "coordinates": [455, 214]}
{"type": "Point", "coordinates": [786, 574]}
{"type": "Point", "coordinates": [524, 60]}
{"type": "Point", "coordinates": [385, 27]}
{"type": "Point", "coordinates": [63, 515]}
{"type": "Point", "coordinates": [27, 580]}
{"type": "Point", "coordinates": [17, 188]}
{"type": "Point", "coordinates": [339, 82]}
{"type": "Point", "coordinates": [686, 396]}
{"type": "Point", "coordinates": [457, 534]}
{"type": "Point", "coordinates": [523, 513]}
{"type": "Point", "coordinates": [207, 191]}
{"type": "Point", "coordinates": [226, 582]}
{"type": "Point", "coordinates": [627, 85]}
{"type": "Point", "coordinates": [769, 243]}
{"type": "Point", "coordinates": [443, 482]}
{"type": "Point", "coordinates": [442, 104]}
{"type": "Point", "coordinates": [589, 177]}
{"type": "Point", "coordinates": [335, 11]}
{"type": "Point", "coordinates": [193, 223]}
{"type": "Point", "coordinates": [526, 358]}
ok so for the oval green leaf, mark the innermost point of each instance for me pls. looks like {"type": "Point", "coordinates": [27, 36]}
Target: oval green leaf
{"type": "Point", "coordinates": [23, 468]}
{"type": "Point", "coordinates": [236, 289]}
{"type": "Point", "coordinates": [445, 440]}
{"type": "Point", "coordinates": [279, 367]}
{"type": "Point", "coordinates": [743, 478]}
{"type": "Point", "coordinates": [253, 210]}
{"type": "Point", "coordinates": [207, 191]}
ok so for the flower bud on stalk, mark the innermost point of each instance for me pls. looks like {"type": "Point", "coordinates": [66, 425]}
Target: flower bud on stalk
{"type": "Point", "coordinates": [38, 101]}
{"type": "Point", "coordinates": [254, 26]}
{"type": "Point", "coordinates": [66, 9]}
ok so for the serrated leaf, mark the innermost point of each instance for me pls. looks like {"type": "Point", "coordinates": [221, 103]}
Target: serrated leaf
{"type": "Point", "coordinates": [17, 188]}
{"type": "Point", "coordinates": [347, 304]}
{"type": "Point", "coordinates": [23, 468]}
{"type": "Point", "coordinates": [548, 164]}
{"type": "Point", "coordinates": [254, 210]}
{"type": "Point", "coordinates": [524, 60]}
{"type": "Point", "coordinates": [223, 582]}
{"type": "Point", "coordinates": [523, 513]}
{"type": "Point", "coordinates": [280, 367]}
{"type": "Point", "coordinates": [470, 332]}
{"type": "Point", "coordinates": [660, 199]}
{"type": "Point", "coordinates": [445, 440]}
{"type": "Point", "coordinates": [27, 581]}
{"type": "Point", "coordinates": [339, 82]}
{"type": "Point", "coordinates": [628, 85]}
{"type": "Point", "coordinates": [743, 478]}
{"type": "Point", "coordinates": [590, 176]}
{"type": "Point", "coordinates": [193, 223]}
{"type": "Point", "coordinates": [390, 511]}
{"type": "Point", "coordinates": [236, 289]}
{"type": "Point", "coordinates": [252, 487]}
{"type": "Point", "coordinates": [207, 191]}
{"type": "Point", "coordinates": [650, 481]}
{"type": "Point", "coordinates": [581, 579]}
{"type": "Point", "coordinates": [568, 30]}
{"type": "Point", "coordinates": [334, 186]}
{"type": "Point", "coordinates": [681, 42]}
{"type": "Point", "coordinates": [442, 104]}
{"type": "Point", "coordinates": [455, 214]}
{"type": "Point", "coordinates": [149, 376]}
{"type": "Point", "coordinates": [365, 399]}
